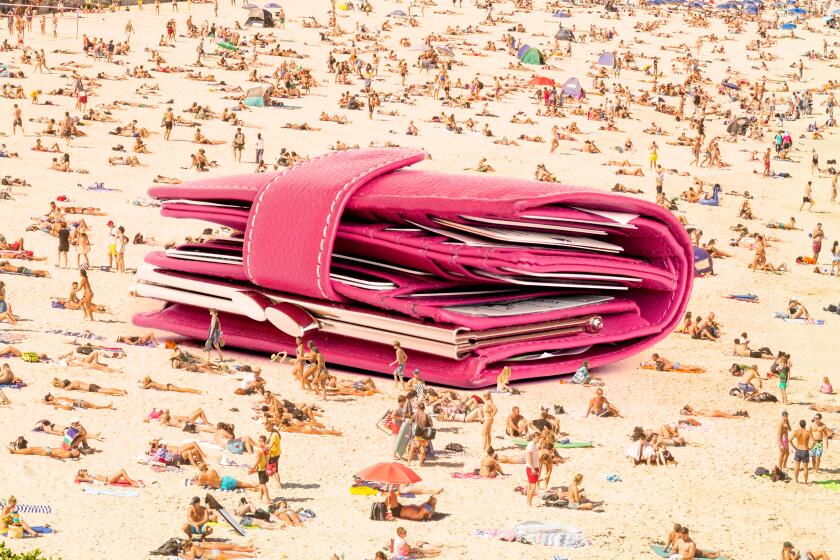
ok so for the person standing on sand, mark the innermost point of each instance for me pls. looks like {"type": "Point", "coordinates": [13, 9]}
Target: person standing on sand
{"type": "Point", "coordinates": [489, 413]}
{"type": "Point", "coordinates": [817, 237]}
{"type": "Point", "coordinates": [802, 442]}
{"type": "Point", "coordinates": [214, 336]}
{"type": "Point", "coordinates": [273, 447]}
{"type": "Point", "coordinates": [87, 294]}
{"type": "Point", "coordinates": [821, 434]}
{"type": "Point", "coordinates": [168, 122]}
{"type": "Point", "coordinates": [784, 441]}
{"type": "Point", "coordinates": [17, 119]}
{"type": "Point", "coordinates": [260, 467]}
{"type": "Point", "coordinates": [238, 144]}
{"type": "Point", "coordinates": [259, 146]}
{"type": "Point", "coordinates": [532, 466]}
{"type": "Point", "coordinates": [399, 373]}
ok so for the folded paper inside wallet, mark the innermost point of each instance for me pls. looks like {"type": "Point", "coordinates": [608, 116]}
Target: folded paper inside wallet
{"type": "Point", "coordinates": [468, 273]}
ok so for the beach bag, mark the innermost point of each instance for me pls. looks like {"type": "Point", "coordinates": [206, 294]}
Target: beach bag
{"type": "Point", "coordinates": [378, 511]}
{"type": "Point", "coordinates": [761, 471]}
{"type": "Point", "coordinates": [31, 357]}
{"type": "Point", "coordinates": [170, 548]}
{"type": "Point", "coordinates": [426, 432]}
{"type": "Point", "coordinates": [455, 447]}
{"type": "Point", "coordinates": [261, 514]}
{"type": "Point", "coordinates": [211, 502]}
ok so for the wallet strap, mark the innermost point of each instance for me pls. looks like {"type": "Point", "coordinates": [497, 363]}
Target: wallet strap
{"type": "Point", "coordinates": [295, 216]}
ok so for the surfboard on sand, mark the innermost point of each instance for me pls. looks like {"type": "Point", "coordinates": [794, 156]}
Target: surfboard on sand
{"type": "Point", "coordinates": [404, 437]}
{"type": "Point", "coordinates": [232, 521]}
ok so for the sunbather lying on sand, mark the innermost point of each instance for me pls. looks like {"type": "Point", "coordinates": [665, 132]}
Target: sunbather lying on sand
{"type": "Point", "coordinates": [120, 477]}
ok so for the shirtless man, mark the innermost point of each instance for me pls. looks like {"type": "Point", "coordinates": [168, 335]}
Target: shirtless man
{"type": "Point", "coordinates": [784, 441]}
{"type": "Point", "coordinates": [516, 425]}
{"type": "Point", "coordinates": [747, 386]}
{"type": "Point", "coordinates": [197, 518]}
{"type": "Point", "coordinates": [489, 414]}
{"type": "Point", "coordinates": [600, 406]}
{"type": "Point", "coordinates": [399, 373]}
{"type": "Point", "coordinates": [821, 434]}
{"type": "Point", "coordinates": [802, 442]}
{"type": "Point", "coordinates": [684, 547]}
{"type": "Point", "coordinates": [211, 478]}
{"type": "Point", "coordinates": [742, 349]}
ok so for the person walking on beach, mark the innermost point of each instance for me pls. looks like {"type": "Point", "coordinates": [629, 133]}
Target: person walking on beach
{"type": "Point", "coordinates": [214, 336]}
{"type": "Point", "coordinates": [802, 442]}
{"type": "Point", "coordinates": [260, 467]}
{"type": "Point", "coordinates": [17, 119]}
{"type": "Point", "coordinates": [238, 144]}
{"type": "Point", "coordinates": [168, 122]}
{"type": "Point", "coordinates": [63, 243]}
{"type": "Point", "coordinates": [532, 466]}
{"type": "Point", "coordinates": [273, 447]}
{"type": "Point", "coordinates": [807, 198]}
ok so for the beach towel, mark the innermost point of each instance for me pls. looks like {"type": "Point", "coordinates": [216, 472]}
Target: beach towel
{"type": "Point", "coordinates": [230, 461]}
{"type": "Point", "coordinates": [40, 529]}
{"type": "Point", "coordinates": [364, 491]}
{"type": "Point", "coordinates": [659, 550]}
{"type": "Point", "coordinates": [111, 491]}
{"type": "Point", "coordinates": [476, 476]}
{"type": "Point", "coordinates": [751, 298]}
{"type": "Point", "coordinates": [783, 316]}
{"type": "Point", "coordinates": [550, 534]}
{"type": "Point", "coordinates": [87, 334]}
{"type": "Point", "coordinates": [100, 187]}
{"type": "Point", "coordinates": [119, 483]}
{"type": "Point", "coordinates": [10, 338]}
{"type": "Point", "coordinates": [12, 385]}
{"type": "Point", "coordinates": [498, 534]}
{"type": "Point", "coordinates": [557, 444]}
{"type": "Point", "coordinates": [829, 484]}
{"type": "Point", "coordinates": [28, 508]}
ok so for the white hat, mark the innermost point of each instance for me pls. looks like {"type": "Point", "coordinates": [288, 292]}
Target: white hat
{"type": "Point", "coordinates": [75, 420]}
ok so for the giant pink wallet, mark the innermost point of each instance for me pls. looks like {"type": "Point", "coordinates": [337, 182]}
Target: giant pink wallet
{"type": "Point", "coordinates": [469, 273]}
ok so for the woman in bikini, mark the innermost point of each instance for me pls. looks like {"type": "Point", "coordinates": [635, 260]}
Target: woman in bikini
{"type": "Point", "coordinates": [87, 294]}
{"type": "Point", "coordinates": [149, 383]}
{"type": "Point", "coordinates": [68, 385]}
{"type": "Point", "coordinates": [688, 410]}
{"type": "Point", "coordinates": [69, 404]}
{"type": "Point", "coordinates": [120, 478]}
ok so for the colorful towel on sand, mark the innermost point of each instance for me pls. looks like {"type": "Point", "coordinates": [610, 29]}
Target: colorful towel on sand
{"type": "Point", "coordinates": [228, 460]}
{"type": "Point", "coordinates": [751, 298]}
{"type": "Point", "coordinates": [783, 316]}
{"type": "Point", "coordinates": [829, 484]}
{"type": "Point", "coordinates": [476, 476]}
{"type": "Point", "coordinates": [498, 534]}
{"type": "Point", "coordinates": [111, 491]}
{"type": "Point", "coordinates": [659, 550]}
{"type": "Point", "coordinates": [40, 529]}
{"type": "Point", "coordinates": [550, 534]}
{"type": "Point", "coordinates": [100, 187]}
{"type": "Point", "coordinates": [86, 335]}
{"type": "Point", "coordinates": [28, 508]}
{"type": "Point", "coordinates": [10, 338]}
{"type": "Point", "coordinates": [557, 444]}
{"type": "Point", "coordinates": [12, 386]}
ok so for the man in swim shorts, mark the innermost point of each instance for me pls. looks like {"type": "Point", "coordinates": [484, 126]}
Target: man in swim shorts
{"type": "Point", "coordinates": [197, 518]}
{"type": "Point", "coordinates": [802, 442]}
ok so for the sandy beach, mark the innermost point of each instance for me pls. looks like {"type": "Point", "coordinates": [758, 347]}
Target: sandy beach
{"type": "Point", "coordinates": [711, 488]}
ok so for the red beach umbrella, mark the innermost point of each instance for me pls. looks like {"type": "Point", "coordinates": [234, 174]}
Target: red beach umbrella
{"type": "Point", "coordinates": [541, 81]}
{"type": "Point", "coordinates": [389, 473]}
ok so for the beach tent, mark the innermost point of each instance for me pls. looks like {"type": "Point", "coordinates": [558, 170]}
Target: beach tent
{"type": "Point", "coordinates": [702, 262]}
{"type": "Point", "coordinates": [532, 56]}
{"type": "Point", "coordinates": [564, 34]}
{"type": "Point", "coordinates": [227, 46]}
{"type": "Point", "coordinates": [571, 87]}
{"type": "Point", "coordinates": [788, 25]}
{"type": "Point", "coordinates": [607, 59]}
{"type": "Point", "coordinates": [254, 97]}
{"type": "Point", "coordinates": [259, 18]}
{"type": "Point", "coordinates": [522, 50]}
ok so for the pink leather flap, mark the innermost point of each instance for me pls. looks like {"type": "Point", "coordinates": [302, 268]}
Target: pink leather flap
{"type": "Point", "coordinates": [296, 214]}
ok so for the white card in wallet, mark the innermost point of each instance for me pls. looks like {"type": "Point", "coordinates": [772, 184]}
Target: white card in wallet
{"type": "Point", "coordinates": [526, 306]}
{"type": "Point", "coordinates": [532, 237]}
{"type": "Point", "coordinates": [534, 225]}
{"type": "Point", "coordinates": [557, 284]}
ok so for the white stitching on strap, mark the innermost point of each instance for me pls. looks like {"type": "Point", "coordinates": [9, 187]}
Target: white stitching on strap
{"type": "Point", "coordinates": [253, 219]}
{"type": "Point", "coordinates": [338, 195]}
